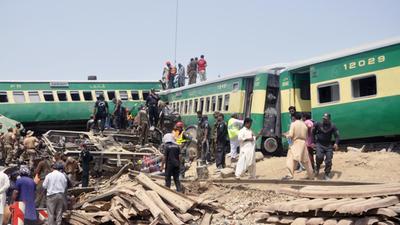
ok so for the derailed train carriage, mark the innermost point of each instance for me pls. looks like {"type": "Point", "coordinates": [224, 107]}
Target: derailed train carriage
{"type": "Point", "coordinates": [360, 87]}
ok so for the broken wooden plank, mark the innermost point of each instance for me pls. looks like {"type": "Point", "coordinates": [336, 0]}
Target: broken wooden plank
{"type": "Point", "coordinates": [300, 221]}
{"type": "Point", "coordinates": [185, 217]}
{"type": "Point", "coordinates": [383, 212]}
{"type": "Point", "coordinates": [367, 205]}
{"type": "Point", "coordinates": [346, 221]}
{"type": "Point", "coordinates": [206, 219]}
{"type": "Point", "coordinates": [287, 219]}
{"type": "Point", "coordinates": [102, 197]}
{"type": "Point", "coordinates": [331, 221]}
{"type": "Point", "coordinates": [273, 219]}
{"type": "Point", "coordinates": [146, 200]}
{"type": "Point", "coordinates": [348, 208]}
{"type": "Point", "coordinates": [123, 170]}
{"type": "Point", "coordinates": [167, 212]}
{"type": "Point", "coordinates": [366, 221]}
{"type": "Point", "coordinates": [315, 221]}
{"type": "Point", "coordinates": [183, 204]}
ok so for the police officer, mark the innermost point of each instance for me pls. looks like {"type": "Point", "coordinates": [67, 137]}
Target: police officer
{"type": "Point", "coordinates": [203, 138]}
{"type": "Point", "coordinates": [213, 136]}
{"type": "Point", "coordinates": [85, 158]}
{"type": "Point", "coordinates": [152, 105]}
{"type": "Point", "coordinates": [323, 133]}
{"type": "Point", "coordinates": [221, 141]}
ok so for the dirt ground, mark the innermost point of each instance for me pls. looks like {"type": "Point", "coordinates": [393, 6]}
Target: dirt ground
{"type": "Point", "coordinates": [241, 199]}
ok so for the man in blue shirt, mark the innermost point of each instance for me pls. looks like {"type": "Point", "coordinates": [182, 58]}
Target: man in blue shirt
{"type": "Point", "coordinates": [25, 192]}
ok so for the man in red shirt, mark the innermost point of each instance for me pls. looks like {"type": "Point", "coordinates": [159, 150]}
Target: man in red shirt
{"type": "Point", "coordinates": [201, 66]}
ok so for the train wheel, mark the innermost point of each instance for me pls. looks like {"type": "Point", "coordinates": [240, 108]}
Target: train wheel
{"type": "Point", "coordinates": [271, 145]}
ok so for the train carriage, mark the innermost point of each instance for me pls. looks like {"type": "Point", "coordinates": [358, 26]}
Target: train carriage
{"type": "Point", "coordinates": [359, 87]}
{"type": "Point", "coordinates": [65, 105]}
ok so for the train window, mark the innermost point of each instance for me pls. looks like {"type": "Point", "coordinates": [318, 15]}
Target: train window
{"type": "Point", "coordinates": [186, 107]}
{"type": "Point", "coordinates": [207, 104]}
{"type": "Point", "coordinates": [213, 103]}
{"type": "Point", "coordinates": [364, 86]}
{"type": "Point", "coordinates": [177, 107]}
{"type": "Point", "coordinates": [226, 103]}
{"type": "Point", "coordinates": [87, 95]}
{"type": "Point", "coordinates": [328, 93]}
{"type": "Point", "coordinates": [75, 96]}
{"type": "Point", "coordinates": [235, 86]}
{"type": "Point", "coordinates": [3, 96]}
{"type": "Point", "coordinates": [48, 96]}
{"type": "Point", "coordinates": [98, 93]}
{"type": "Point", "coordinates": [305, 90]}
{"type": "Point", "coordinates": [135, 95]}
{"type": "Point", "coordinates": [173, 106]}
{"type": "Point", "coordinates": [190, 106]}
{"type": "Point", "coordinates": [19, 96]}
{"type": "Point", "coordinates": [219, 103]}
{"type": "Point", "coordinates": [181, 108]}
{"type": "Point", "coordinates": [111, 95]}
{"type": "Point", "coordinates": [201, 105]}
{"type": "Point", "coordinates": [62, 96]}
{"type": "Point", "coordinates": [145, 94]}
{"type": "Point", "coordinates": [123, 95]}
{"type": "Point", "coordinates": [34, 96]}
{"type": "Point", "coordinates": [196, 103]}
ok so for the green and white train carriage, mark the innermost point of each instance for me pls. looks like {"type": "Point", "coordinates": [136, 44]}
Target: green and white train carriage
{"type": "Point", "coordinates": [50, 104]}
{"type": "Point", "coordinates": [244, 93]}
{"type": "Point", "coordinates": [359, 87]}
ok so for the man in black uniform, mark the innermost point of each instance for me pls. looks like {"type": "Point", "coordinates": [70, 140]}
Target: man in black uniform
{"type": "Point", "coordinates": [100, 112]}
{"type": "Point", "coordinates": [152, 105]}
{"type": "Point", "coordinates": [85, 159]}
{"type": "Point", "coordinates": [171, 161]}
{"type": "Point", "coordinates": [203, 138]}
{"type": "Point", "coordinates": [323, 133]}
{"type": "Point", "coordinates": [221, 141]}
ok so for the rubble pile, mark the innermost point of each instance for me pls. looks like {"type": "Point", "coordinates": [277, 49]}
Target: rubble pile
{"type": "Point", "coordinates": [138, 201]}
{"type": "Point", "coordinates": [362, 204]}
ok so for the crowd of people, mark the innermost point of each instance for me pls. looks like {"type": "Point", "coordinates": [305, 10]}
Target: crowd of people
{"type": "Point", "coordinates": [174, 77]}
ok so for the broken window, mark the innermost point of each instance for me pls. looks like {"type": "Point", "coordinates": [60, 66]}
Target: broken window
{"type": "Point", "coordinates": [123, 95]}
{"type": "Point", "coordinates": [62, 96]}
{"type": "Point", "coordinates": [365, 86]}
{"type": "Point", "coordinates": [328, 93]}
{"type": "Point", "coordinates": [3, 96]}
{"type": "Point", "coordinates": [34, 96]}
{"type": "Point", "coordinates": [75, 96]}
{"type": "Point", "coordinates": [48, 96]}
{"type": "Point", "coordinates": [19, 97]}
{"type": "Point", "coordinates": [219, 103]}
{"type": "Point", "coordinates": [226, 103]}
{"type": "Point", "coordinates": [135, 95]}
{"type": "Point", "coordinates": [87, 95]}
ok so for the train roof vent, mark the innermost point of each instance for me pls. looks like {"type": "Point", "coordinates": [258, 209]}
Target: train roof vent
{"type": "Point", "coordinates": [92, 77]}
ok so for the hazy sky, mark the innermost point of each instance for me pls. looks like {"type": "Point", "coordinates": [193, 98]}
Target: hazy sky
{"type": "Point", "coordinates": [130, 40]}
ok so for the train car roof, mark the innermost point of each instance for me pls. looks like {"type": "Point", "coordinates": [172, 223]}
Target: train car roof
{"type": "Point", "coordinates": [344, 53]}
{"type": "Point", "coordinates": [274, 68]}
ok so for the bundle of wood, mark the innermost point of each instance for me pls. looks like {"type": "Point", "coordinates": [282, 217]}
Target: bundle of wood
{"type": "Point", "coordinates": [138, 201]}
{"type": "Point", "coordinates": [367, 204]}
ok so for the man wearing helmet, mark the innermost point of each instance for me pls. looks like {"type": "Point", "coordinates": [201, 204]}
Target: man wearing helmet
{"type": "Point", "coordinates": [181, 139]}
{"type": "Point", "coordinates": [171, 161]}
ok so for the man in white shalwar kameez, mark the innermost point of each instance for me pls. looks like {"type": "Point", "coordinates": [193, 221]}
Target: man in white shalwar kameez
{"type": "Point", "coordinates": [247, 156]}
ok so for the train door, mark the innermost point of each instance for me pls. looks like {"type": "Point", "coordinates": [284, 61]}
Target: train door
{"type": "Point", "coordinates": [249, 85]}
{"type": "Point", "coordinates": [301, 91]}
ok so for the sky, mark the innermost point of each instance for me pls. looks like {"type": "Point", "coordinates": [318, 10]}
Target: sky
{"type": "Point", "coordinates": [131, 39]}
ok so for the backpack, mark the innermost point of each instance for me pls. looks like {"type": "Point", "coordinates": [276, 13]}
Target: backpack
{"type": "Point", "coordinates": [102, 108]}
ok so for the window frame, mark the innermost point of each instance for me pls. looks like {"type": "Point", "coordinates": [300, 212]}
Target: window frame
{"type": "Point", "coordinates": [225, 105]}
{"type": "Point", "coordinates": [208, 104]}
{"type": "Point", "coordinates": [360, 78]}
{"type": "Point", "coordinates": [108, 94]}
{"type": "Point", "coordinates": [190, 109]}
{"type": "Point", "coordinates": [213, 103]}
{"type": "Point", "coordinates": [195, 105]}
{"type": "Point", "coordinates": [48, 93]}
{"type": "Point", "coordinates": [186, 107]}
{"type": "Point", "coordinates": [97, 93]}
{"type": "Point", "coordinates": [62, 92]}
{"type": "Point", "coordinates": [120, 96]}
{"type": "Point", "coordinates": [201, 104]}
{"type": "Point", "coordinates": [147, 94]}
{"type": "Point", "coordinates": [75, 92]}
{"type": "Point", "coordinates": [91, 96]}
{"type": "Point", "coordinates": [328, 85]}
{"type": "Point", "coordinates": [220, 99]}
{"type": "Point", "coordinates": [19, 93]}
{"type": "Point", "coordinates": [37, 95]}
{"type": "Point", "coordinates": [4, 93]}
{"type": "Point", "coordinates": [136, 95]}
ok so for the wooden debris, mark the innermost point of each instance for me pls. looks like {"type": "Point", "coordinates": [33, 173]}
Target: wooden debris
{"type": "Point", "coordinates": [167, 212]}
{"type": "Point", "coordinates": [206, 219]}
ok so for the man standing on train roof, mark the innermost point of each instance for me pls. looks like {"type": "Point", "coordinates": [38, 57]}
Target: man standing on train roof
{"type": "Point", "coordinates": [9, 141]}
{"type": "Point", "coordinates": [171, 77]}
{"type": "Point", "coordinates": [30, 144]}
{"type": "Point", "coordinates": [181, 75]}
{"type": "Point", "coordinates": [298, 152]}
{"type": "Point", "coordinates": [247, 157]}
{"type": "Point", "coordinates": [234, 125]}
{"type": "Point", "coordinates": [192, 71]}
{"type": "Point", "coordinates": [201, 65]}
{"type": "Point", "coordinates": [221, 141]}
{"type": "Point", "coordinates": [152, 105]}
{"type": "Point", "coordinates": [323, 133]}
{"type": "Point", "coordinates": [166, 71]}
{"type": "Point", "coordinates": [100, 112]}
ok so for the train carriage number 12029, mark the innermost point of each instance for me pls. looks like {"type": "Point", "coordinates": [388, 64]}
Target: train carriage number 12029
{"type": "Point", "coordinates": [364, 62]}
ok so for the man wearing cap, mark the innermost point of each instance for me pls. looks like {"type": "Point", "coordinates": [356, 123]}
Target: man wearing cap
{"type": "Point", "coordinates": [4, 185]}
{"type": "Point", "coordinates": [56, 184]}
{"type": "Point", "coordinates": [171, 161]}
{"type": "Point", "coordinates": [9, 141]}
{"type": "Point", "coordinates": [25, 192]}
{"type": "Point", "coordinates": [323, 133]}
{"type": "Point", "coordinates": [30, 143]}
{"type": "Point", "coordinates": [234, 125]}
